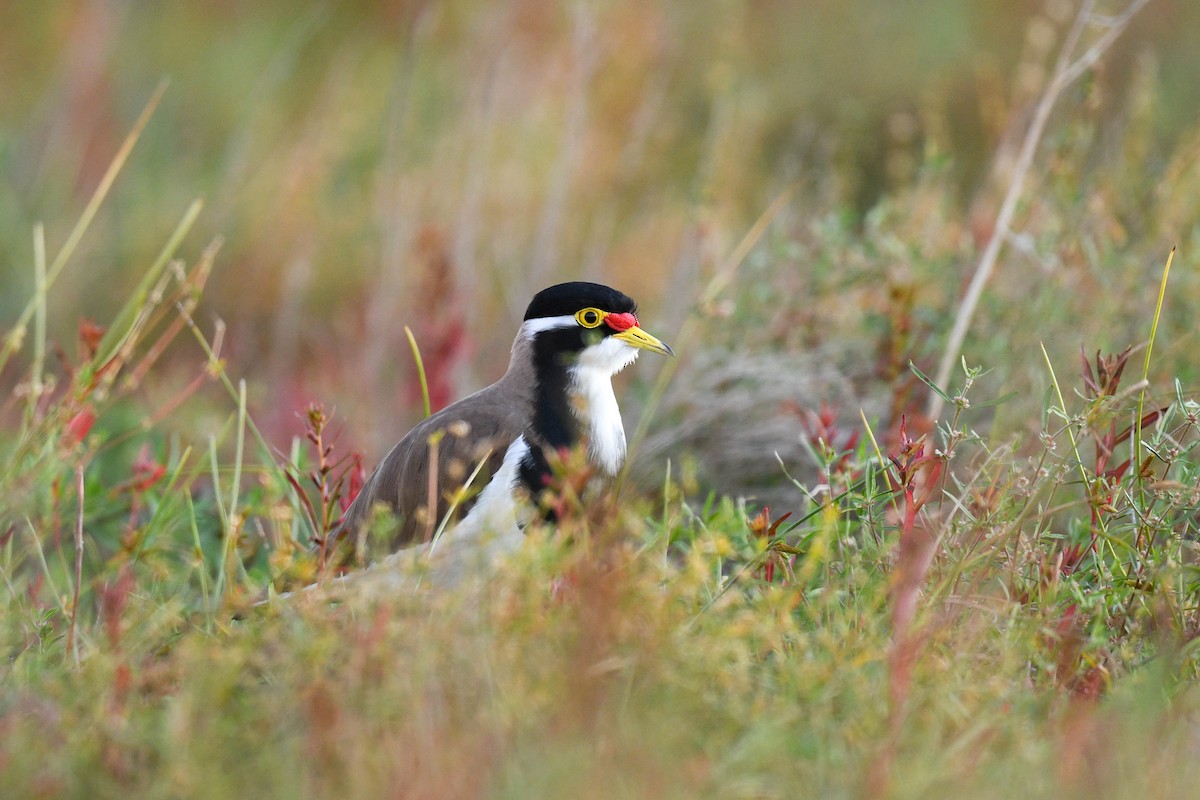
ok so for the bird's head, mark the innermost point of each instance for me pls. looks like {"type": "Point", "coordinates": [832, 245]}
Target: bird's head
{"type": "Point", "coordinates": [588, 324]}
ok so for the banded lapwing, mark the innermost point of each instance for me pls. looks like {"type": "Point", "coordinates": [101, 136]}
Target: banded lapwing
{"type": "Point", "coordinates": [556, 395]}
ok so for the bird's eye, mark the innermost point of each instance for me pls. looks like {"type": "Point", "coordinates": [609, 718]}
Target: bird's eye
{"type": "Point", "coordinates": [589, 317]}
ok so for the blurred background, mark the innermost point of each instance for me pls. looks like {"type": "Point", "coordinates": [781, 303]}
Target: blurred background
{"type": "Point", "coordinates": [371, 165]}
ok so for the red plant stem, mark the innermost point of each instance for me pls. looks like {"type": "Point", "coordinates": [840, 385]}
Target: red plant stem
{"type": "Point", "coordinates": [914, 558]}
{"type": "Point", "coordinates": [907, 582]}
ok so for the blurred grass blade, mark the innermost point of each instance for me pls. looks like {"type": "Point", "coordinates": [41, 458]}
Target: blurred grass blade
{"type": "Point", "coordinates": [39, 318]}
{"type": "Point", "coordinates": [160, 514]}
{"type": "Point", "coordinates": [691, 325]}
{"type": "Point", "coordinates": [728, 270]}
{"type": "Point", "coordinates": [222, 515]}
{"type": "Point", "coordinates": [123, 325]}
{"type": "Point", "coordinates": [13, 341]}
{"type": "Point", "coordinates": [416, 351]}
{"type": "Point", "coordinates": [201, 563]}
{"type": "Point", "coordinates": [1162, 293]}
{"type": "Point", "coordinates": [1068, 424]}
{"type": "Point", "coordinates": [72, 640]}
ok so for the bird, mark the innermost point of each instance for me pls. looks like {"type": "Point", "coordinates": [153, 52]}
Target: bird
{"type": "Point", "coordinates": [556, 395]}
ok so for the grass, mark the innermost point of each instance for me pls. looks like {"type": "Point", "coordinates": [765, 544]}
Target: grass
{"type": "Point", "coordinates": [1004, 601]}
{"type": "Point", "coordinates": [939, 615]}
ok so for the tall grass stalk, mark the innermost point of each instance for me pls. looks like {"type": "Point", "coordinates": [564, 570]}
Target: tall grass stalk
{"type": "Point", "coordinates": [1068, 424]}
{"type": "Point", "coordinates": [135, 312]}
{"type": "Point", "coordinates": [200, 565]}
{"type": "Point", "coordinates": [227, 539]}
{"type": "Point", "coordinates": [1068, 69]}
{"type": "Point", "coordinates": [420, 364]}
{"type": "Point", "coordinates": [1141, 407]}
{"type": "Point", "coordinates": [720, 280]}
{"type": "Point", "coordinates": [13, 341]}
{"type": "Point", "coordinates": [232, 522]}
{"type": "Point", "coordinates": [72, 642]}
{"type": "Point", "coordinates": [40, 288]}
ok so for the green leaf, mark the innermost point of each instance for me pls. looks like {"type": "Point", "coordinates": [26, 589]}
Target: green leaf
{"type": "Point", "coordinates": [928, 382]}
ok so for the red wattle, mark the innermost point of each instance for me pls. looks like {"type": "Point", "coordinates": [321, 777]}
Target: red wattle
{"type": "Point", "coordinates": [621, 322]}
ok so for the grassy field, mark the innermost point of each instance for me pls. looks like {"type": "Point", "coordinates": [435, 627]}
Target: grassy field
{"type": "Point", "coordinates": [916, 512]}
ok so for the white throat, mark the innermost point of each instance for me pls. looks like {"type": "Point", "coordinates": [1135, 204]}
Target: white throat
{"type": "Point", "coordinates": [595, 404]}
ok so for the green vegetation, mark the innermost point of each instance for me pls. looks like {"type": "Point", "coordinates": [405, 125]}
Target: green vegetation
{"type": "Point", "coordinates": [981, 582]}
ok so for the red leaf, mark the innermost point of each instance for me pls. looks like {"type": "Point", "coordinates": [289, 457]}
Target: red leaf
{"type": "Point", "coordinates": [90, 335]}
{"type": "Point", "coordinates": [358, 477]}
{"type": "Point", "coordinates": [79, 426]}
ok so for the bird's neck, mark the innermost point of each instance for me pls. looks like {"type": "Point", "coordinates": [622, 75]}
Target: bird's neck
{"type": "Point", "coordinates": [573, 399]}
{"type": "Point", "coordinates": [541, 379]}
{"type": "Point", "coordinates": [554, 424]}
{"type": "Point", "coordinates": [594, 404]}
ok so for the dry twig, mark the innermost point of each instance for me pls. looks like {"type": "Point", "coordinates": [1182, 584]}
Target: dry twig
{"type": "Point", "coordinates": [1066, 71]}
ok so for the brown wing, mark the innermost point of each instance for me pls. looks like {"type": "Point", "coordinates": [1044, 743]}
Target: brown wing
{"type": "Point", "coordinates": [477, 428]}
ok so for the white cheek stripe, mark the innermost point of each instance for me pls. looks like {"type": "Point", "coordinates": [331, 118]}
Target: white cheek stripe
{"type": "Point", "coordinates": [533, 326]}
